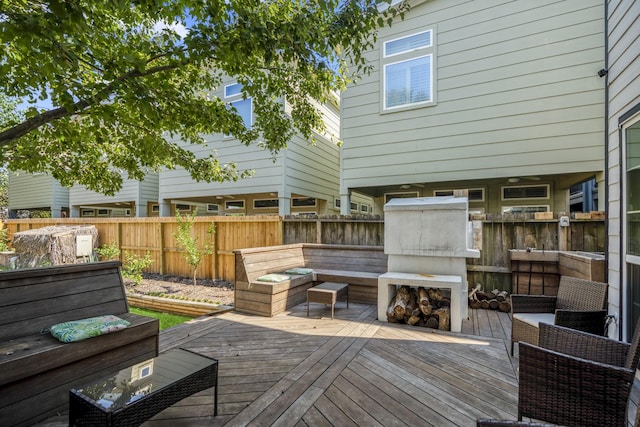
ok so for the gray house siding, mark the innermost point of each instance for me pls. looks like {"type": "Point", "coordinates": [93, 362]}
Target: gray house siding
{"type": "Point", "coordinates": [36, 191]}
{"type": "Point", "coordinates": [301, 170]}
{"type": "Point", "coordinates": [624, 99]}
{"type": "Point", "coordinates": [132, 198]}
{"type": "Point", "coordinates": [516, 93]}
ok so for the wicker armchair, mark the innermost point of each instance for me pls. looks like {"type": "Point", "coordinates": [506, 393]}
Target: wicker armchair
{"type": "Point", "coordinates": [579, 305]}
{"type": "Point", "coordinates": [575, 378]}
{"type": "Point", "coordinates": [508, 423]}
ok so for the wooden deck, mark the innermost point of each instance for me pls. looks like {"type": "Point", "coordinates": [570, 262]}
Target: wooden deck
{"type": "Point", "coordinates": [291, 370]}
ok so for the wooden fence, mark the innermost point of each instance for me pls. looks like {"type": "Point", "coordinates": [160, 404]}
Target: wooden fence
{"type": "Point", "coordinates": [494, 236]}
{"type": "Point", "coordinates": [138, 236]}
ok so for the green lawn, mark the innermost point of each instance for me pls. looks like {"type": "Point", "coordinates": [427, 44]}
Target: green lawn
{"type": "Point", "coordinates": [167, 320]}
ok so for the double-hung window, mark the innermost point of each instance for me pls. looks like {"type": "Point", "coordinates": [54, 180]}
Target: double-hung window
{"type": "Point", "coordinates": [408, 71]}
{"type": "Point", "coordinates": [233, 95]}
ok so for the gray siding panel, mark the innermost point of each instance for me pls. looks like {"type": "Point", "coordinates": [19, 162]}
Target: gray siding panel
{"type": "Point", "coordinates": [30, 191]}
{"type": "Point", "coordinates": [517, 90]}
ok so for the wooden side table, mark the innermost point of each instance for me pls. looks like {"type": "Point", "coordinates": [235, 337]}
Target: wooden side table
{"type": "Point", "coordinates": [327, 293]}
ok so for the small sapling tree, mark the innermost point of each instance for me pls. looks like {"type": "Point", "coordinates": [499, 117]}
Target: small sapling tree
{"type": "Point", "coordinates": [193, 251]}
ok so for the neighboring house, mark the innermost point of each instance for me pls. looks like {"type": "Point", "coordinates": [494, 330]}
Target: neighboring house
{"type": "Point", "coordinates": [136, 198]}
{"type": "Point", "coordinates": [500, 98]}
{"type": "Point", "coordinates": [623, 156]}
{"type": "Point", "coordinates": [303, 179]}
{"type": "Point", "coordinates": [36, 193]}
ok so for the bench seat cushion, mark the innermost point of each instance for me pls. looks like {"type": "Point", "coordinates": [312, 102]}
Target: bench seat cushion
{"type": "Point", "coordinates": [299, 271]}
{"type": "Point", "coordinates": [82, 329]}
{"type": "Point", "coordinates": [34, 354]}
{"type": "Point", "coordinates": [277, 287]}
{"type": "Point", "coordinates": [273, 278]}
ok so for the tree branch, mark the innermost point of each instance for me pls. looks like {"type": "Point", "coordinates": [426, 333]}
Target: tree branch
{"type": "Point", "coordinates": [45, 117]}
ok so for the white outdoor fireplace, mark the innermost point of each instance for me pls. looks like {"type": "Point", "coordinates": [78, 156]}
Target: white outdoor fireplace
{"type": "Point", "coordinates": [427, 241]}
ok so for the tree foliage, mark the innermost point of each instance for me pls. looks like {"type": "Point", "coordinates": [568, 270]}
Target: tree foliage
{"type": "Point", "coordinates": [119, 77]}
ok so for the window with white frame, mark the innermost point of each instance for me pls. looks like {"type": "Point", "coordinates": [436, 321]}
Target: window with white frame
{"type": "Point", "coordinates": [631, 230]}
{"type": "Point", "coordinates": [408, 71]}
{"type": "Point", "coordinates": [234, 204]}
{"type": "Point", "coordinates": [266, 203]}
{"type": "Point", "coordinates": [525, 192]}
{"type": "Point", "coordinates": [473, 194]}
{"type": "Point", "coordinates": [303, 201]}
{"type": "Point", "coordinates": [524, 209]}
{"type": "Point", "coordinates": [233, 95]}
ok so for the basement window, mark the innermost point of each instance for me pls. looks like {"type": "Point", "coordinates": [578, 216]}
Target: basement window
{"type": "Point", "coordinates": [266, 203]}
{"type": "Point", "coordinates": [525, 192]}
{"type": "Point", "coordinates": [474, 194]}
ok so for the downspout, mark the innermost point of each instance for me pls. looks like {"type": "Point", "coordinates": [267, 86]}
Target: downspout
{"type": "Point", "coordinates": [606, 168]}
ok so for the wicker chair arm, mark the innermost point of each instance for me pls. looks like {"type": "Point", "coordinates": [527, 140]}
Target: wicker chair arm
{"type": "Point", "coordinates": [521, 303]}
{"type": "Point", "coordinates": [592, 322]}
{"type": "Point", "coordinates": [567, 390]}
{"type": "Point", "coordinates": [509, 423]}
{"type": "Point", "coordinates": [581, 344]}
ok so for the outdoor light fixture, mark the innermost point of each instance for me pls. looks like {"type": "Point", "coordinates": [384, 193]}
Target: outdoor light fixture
{"type": "Point", "coordinates": [603, 72]}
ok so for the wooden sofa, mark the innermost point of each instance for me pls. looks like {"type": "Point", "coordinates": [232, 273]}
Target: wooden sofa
{"type": "Point", "coordinates": [36, 370]}
{"type": "Point", "coordinates": [359, 266]}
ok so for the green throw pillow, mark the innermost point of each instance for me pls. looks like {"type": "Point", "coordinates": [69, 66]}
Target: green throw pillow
{"type": "Point", "coordinates": [274, 278]}
{"type": "Point", "coordinates": [299, 271]}
{"type": "Point", "coordinates": [78, 330]}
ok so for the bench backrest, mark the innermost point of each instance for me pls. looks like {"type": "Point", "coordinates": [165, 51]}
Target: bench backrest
{"type": "Point", "coordinates": [255, 262]}
{"type": "Point", "coordinates": [37, 298]}
{"type": "Point", "coordinates": [370, 259]}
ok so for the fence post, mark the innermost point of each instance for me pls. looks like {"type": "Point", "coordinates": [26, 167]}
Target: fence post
{"type": "Point", "coordinates": [563, 237]}
{"type": "Point", "coordinates": [161, 245]}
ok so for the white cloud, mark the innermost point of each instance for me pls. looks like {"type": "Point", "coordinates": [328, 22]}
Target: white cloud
{"type": "Point", "coordinates": [177, 27]}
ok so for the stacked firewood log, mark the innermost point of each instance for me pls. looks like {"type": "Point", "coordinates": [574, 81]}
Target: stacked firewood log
{"type": "Point", "coordinates": [426, 307]}
{"type": "Point", "coordinates": [492, 300]}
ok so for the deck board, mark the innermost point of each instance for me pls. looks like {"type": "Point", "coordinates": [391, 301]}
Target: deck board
{"type": "Point", "coordinates": [291, 370]}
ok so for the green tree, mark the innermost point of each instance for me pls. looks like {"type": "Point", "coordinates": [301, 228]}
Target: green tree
{"type": "Point", "coordinates": [123, 77]}
{"type": "Point", "coordinates": [194, 251]}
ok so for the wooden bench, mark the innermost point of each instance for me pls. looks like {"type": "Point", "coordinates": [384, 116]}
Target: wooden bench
{"type": "Point", "coordinates": [359, 266]}
{"type": "Point", "coordinates": [265, 298]}
{"type": "Point", "coordinates": [36, 370]}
